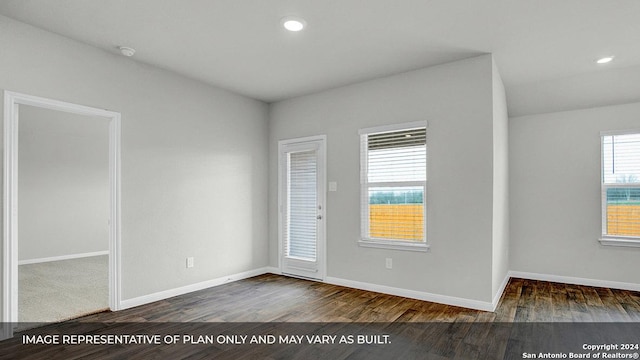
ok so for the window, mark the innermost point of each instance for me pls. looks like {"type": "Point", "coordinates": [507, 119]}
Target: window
{"type": "Point", "coordinates": [393, 177]}
{"type": "Point", "coordinates": [621, 188]}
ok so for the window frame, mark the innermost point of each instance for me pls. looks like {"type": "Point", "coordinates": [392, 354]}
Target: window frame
{"type": "Point", "coordinates": [606, 239]}
{"type": "Point", "coordinates": [395, 244]}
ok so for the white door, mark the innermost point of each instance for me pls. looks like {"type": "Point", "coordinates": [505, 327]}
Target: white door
{"type": "Point", "coordinates": [301, 200]}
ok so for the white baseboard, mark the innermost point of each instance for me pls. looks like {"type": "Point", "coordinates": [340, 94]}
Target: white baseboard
{"type": "Point", "coordinates": [419, 295]}
{"type": "Point", "coordinates": [161, 295]}
{"type": "Point", "coordinates": [273, 270]}
{"type": "Point", "coordinates": [498, 295]}
{"type": "Point", "coordinates": [413, 294]}
{"type": "Point", "coordinates": [575, 280]}
{"type": "Point", "coordinates": [63, 257]}
{"type": "Point", "coordinates": [443, 299]}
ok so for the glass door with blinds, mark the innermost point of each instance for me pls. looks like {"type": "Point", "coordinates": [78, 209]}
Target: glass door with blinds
{"type": "Point", "coordinates": [301, 202]}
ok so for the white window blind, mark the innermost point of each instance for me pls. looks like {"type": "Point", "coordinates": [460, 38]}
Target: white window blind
{"type": "Point", "coordinates": [393, 178]}
{"type": "Point", "coordinates": [621, 185]}
{"type": "Point", "coordinates": [301, 209]}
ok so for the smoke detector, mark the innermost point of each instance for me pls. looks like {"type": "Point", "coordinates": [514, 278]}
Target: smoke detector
{"type": "Point", "coordinates": [127, 51]}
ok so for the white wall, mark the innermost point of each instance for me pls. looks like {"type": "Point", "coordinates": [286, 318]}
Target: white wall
{"type": "Point", "coordinates": [555, 195]}
{"type": "Point", "coordinates": [63, 184]}
{"type": "Point", "coordinates": [194, 165]}
{"type": "Point", "coordinates": [500, 226]}
{"type": "Point", "coordinates": [456, 100]}
{"type": "Point", "coordinates": [607, 86]}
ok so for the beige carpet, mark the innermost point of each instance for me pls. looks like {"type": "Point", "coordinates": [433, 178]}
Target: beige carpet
{"type": "Point", "coordinates": [60, 290]}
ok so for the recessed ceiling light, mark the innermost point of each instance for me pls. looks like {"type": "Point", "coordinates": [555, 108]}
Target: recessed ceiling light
{"type": "Point", "coordinates": [604, 60]}
{"type": "Point", "coordinates": [293, 23]}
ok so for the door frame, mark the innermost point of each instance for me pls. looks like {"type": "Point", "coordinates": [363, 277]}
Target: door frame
{"type": "Point", "coordinates": [10, 207]}
{"type": "Point", "coordinates": [321, 258]}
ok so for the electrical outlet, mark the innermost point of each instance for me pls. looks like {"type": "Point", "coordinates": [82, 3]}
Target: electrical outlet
{"type": "Point", "coordinates": [389, 263]}
{"type": "Point", "coordinates": [189, 262]}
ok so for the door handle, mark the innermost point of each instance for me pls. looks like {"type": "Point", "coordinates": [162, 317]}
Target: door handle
{"type": "Point", "coordinates": [319, 217]}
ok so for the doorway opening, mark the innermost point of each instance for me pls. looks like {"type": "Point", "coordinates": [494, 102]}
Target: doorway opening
{"type": "Point", "coordinates": [77, 242]}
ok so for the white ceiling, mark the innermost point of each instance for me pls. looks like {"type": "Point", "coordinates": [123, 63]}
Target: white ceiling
{"type": "Point", "coordinates": [239, 44]}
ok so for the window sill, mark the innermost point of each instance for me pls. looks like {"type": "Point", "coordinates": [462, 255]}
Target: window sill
{"type": "Point", "coordinates": [620, 241]}
{"type": "Point", "coordinates": [394, 245]}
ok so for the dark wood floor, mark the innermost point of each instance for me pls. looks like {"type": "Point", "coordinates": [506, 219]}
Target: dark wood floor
{"type": "Point", "coordinates": [276, 299]}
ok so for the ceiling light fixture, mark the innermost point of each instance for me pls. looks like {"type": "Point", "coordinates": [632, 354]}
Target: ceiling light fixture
{"type": "Point", "coordinates": [604, 60]}
{"type": "Point", "coordinates": [127, 51]}
{"type": "Point", "coordinates": [293, 23]}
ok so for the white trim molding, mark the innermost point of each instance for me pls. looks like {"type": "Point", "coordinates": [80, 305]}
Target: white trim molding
{"type": "Point", "coordinates": [413, 294]}
{"type": "Point", "coordinates": [62, 257]}
{"type": "Point", "coordinates": [161, 295]}
{"type": "Point", "coordinates": [619, 132]}
{"type": "Point", "coordinates": [272, 270]}
{"type": "Point", "coordinates": [575, 280]}
{"type": "Point", "coordinates": [394, 127]}
{"type": "Point", "coordinates": [498, 294]}
{"type": "Point", "coordinates": [394, 245]}
{"type": "Point", "coordinates": [12, 101]}
{"type": "Point", "coordinates": [619, 241]}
